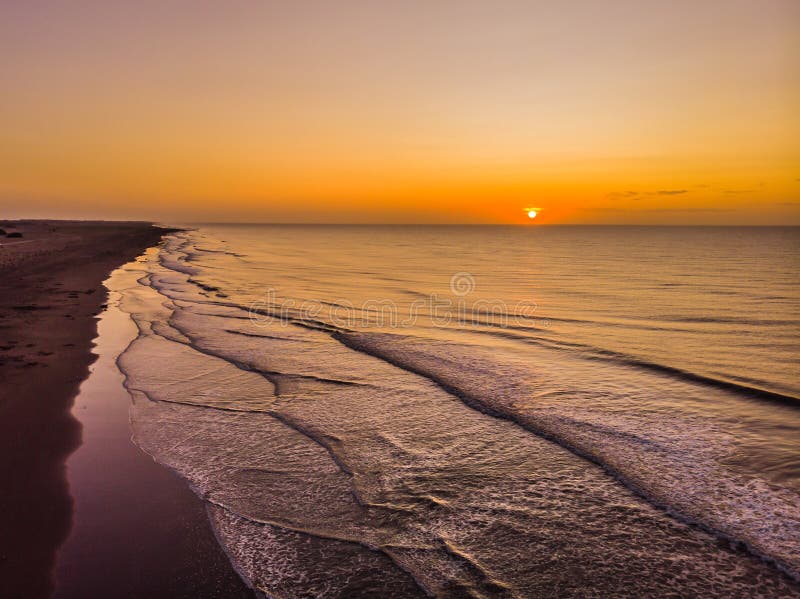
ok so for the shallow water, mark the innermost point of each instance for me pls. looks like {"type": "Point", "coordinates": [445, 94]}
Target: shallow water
{"type": "Point", "coordinates": [485, 411]}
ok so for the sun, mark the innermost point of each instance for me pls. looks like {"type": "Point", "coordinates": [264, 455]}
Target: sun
{"type": "Point", "coordinates": [532, 211]}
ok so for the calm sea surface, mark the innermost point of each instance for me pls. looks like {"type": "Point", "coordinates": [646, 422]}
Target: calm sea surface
{"type": "Point", "coordinates": [480, 411]}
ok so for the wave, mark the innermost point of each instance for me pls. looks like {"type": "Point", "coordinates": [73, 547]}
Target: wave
{"type": "Point", "coordinates": [745, 390]}
{"type": "Point", "coordinates": [597, 353]}
{"type": "Point", "coordinates": [741, 524]}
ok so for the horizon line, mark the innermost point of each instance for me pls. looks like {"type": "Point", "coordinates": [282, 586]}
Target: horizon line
{"type": "Point", "coordinates": [520, 225]}
{"type": "Point", "coordinates": [170, 222]}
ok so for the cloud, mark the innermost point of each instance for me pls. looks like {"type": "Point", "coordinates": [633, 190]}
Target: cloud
{"type": "Point", "coordinates": [690, 210]}
{"type": "Point", "coordinates": [640, 195]}
{"type": "Point", "coordinates": [624, 195]}
{"type": "Point", "coordinates": [644, 210]}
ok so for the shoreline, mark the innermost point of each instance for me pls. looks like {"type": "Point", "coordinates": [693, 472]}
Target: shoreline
{"type": "Point", "coordinates": [131, 514]}
{"type": "Point", "coordinates": [49, 304]}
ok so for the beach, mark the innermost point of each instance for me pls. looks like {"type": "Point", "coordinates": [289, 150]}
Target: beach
{"type": "Point", "coordinates": [227, 409]}
{"type": "Point", "coordinates": [53, 290]}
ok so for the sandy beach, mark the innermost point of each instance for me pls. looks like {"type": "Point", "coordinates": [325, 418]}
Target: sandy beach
{"type": "Point", "coordinates": [49, 301]}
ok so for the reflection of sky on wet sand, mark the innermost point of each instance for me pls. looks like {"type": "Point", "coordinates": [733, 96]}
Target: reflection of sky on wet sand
{"type": "Point", "coordinates": [136, 526]}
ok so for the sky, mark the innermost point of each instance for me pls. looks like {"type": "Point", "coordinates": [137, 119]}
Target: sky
{"type": "Point", "coordinates": [436, 111]}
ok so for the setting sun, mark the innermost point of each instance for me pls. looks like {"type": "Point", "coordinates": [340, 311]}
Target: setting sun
{"type": "Point", "coordinates": [532, 212]}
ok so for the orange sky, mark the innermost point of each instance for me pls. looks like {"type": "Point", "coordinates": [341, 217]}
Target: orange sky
{"type": "Point", "coordinates": [627, 111]}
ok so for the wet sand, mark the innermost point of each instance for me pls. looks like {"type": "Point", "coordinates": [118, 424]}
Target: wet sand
{"type": "Point", "coordinates": [137, 528]}
{"type": "Point", "coordinates": [50, 294]}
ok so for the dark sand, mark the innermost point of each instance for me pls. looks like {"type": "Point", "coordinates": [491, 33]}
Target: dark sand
{"type": "Point", "coordinates": [51, 291]}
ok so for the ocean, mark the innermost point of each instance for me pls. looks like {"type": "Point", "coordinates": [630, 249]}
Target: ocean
{"type": "Point", "coordinates": [479, 411]}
